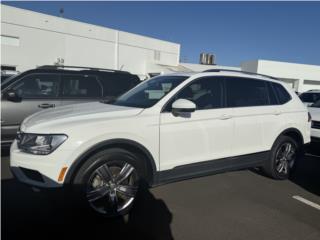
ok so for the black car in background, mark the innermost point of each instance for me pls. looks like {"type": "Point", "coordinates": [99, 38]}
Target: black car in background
{"type": "Point", "coordinates": [53, 86]}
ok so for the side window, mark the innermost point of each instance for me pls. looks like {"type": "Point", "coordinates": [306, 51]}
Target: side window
{"type": "Point", "coordinates": [282, 94]}
{"type": "Point", "coordinates": [206, 93]}
{"type": "Point", "coordinates": [246, 92]}
{"type": "Point", "coordinates": [115, 84]}
{"type": "Point", "coordinates": [38, 86]}
{"type": "Point", "coordinates": [81, 86]}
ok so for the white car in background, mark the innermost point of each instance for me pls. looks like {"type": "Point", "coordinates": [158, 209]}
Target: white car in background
{"type": "Point", "coordinates": [314, 110]}
{"type": "Point", "coordinates": [310, 97]}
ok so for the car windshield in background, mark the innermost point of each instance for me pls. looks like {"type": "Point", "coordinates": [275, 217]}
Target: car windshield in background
{"type": "Point", "coordinates": [316, 104]}
{"type": "Point", "coordinates": [149, 92]}
{"type": "Point", "coordinates": [310, 97]}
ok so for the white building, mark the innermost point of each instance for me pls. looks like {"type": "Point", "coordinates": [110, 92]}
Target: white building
{"type": "Point", "coordinates": [30, 39]}
{"type": "Point", "coordinates": [301, 77]}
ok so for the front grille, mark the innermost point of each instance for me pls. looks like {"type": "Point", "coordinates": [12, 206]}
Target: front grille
{"type": "Point", "coordinates": [315, 124]}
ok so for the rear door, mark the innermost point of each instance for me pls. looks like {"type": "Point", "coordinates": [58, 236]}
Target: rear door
{"type": "Point", "coordinates": [256, 118]}
{"type": "Point", "coordinates": [38, 91]}
{"type": "Point", "coordinates": [80, 88]}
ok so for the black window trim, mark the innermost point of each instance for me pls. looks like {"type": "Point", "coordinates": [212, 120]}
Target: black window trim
{"type": "Point", "coordinates": [14, 83]}
{"type": "Point", "coordinates": [164, 110]}
{"type": "Point", "coordinates": [62, 97]}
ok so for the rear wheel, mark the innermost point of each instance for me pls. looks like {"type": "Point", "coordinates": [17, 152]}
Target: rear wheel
{"type": "Point", "coordinates": [284, 156]}
{"type": "Point", "coordinates": [109, 181]}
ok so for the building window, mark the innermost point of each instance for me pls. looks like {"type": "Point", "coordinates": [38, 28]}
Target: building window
{"type": "Point", "coordinates": [10, 40]}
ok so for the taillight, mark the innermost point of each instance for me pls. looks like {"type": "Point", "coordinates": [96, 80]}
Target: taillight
{"type": "Point", "coordinates": [309, 117]}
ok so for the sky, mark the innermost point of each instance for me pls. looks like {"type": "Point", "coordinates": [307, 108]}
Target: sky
{"type": "Point", "coordinates": [233, 31]}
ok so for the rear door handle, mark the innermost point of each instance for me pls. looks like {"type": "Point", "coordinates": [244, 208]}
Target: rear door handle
{"type": "Point", "coordinates": [46, 105]}
{"type": "Point", "coordinates": [225, 117]}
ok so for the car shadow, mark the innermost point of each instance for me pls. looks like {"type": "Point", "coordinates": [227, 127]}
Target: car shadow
{"type": "Point", "coordinates": [307, 174]}
{"type": "Point", "coordinates": [49, 215]}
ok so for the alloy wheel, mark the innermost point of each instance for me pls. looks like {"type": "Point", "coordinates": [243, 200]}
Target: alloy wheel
{"type": "Point", "coordinates": [285, 157]}
{"type": "Point", "coordinates": [112, 187]}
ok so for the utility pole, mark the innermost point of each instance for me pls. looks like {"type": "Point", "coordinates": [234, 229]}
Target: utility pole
{"type": "Point", "coordinates": [61, 11]}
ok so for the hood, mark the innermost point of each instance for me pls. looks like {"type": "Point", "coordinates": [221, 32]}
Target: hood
{"type": "Point", "coordinates": [78, 112]}
{"type": "Point", "coordinates": [315, 113]}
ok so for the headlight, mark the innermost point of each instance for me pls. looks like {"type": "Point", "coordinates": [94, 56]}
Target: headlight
{"type": "Point", "coordinates": [39, 144]}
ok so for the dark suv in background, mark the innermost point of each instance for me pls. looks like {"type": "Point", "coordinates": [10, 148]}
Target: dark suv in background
{"type": "Point", "coordinates": [53, 86]}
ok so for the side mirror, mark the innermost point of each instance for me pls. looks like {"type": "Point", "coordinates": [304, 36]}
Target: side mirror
{"type": "Point", "coordinates": [12, 96]}
{"type": "Point", "coordinates": [182, 106]}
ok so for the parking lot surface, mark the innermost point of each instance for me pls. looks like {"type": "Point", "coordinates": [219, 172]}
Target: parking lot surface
{"type": "Point", "coordinates": [234, 205]}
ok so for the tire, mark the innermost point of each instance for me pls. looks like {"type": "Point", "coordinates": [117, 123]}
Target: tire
{"type": "Point", "coordinates": [285, 154]}
{"type": "Point", "coordinates": [109, 181]}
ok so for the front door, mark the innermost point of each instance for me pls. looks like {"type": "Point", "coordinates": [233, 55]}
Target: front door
{"type": "Point", "coordinates": [203, 135]}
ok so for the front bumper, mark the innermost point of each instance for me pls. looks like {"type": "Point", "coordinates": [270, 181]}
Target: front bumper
{"type": "Point", "coordinates": [38, 170]}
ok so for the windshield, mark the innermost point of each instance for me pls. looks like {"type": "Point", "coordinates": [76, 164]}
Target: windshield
{"type": "Point", "coordinates": [310, 97]}
{"type": "Point", "coordinates": [316, 104]}
{"type": "Point", "coordinates": [149, 92]}
{"type": "Point", "coordinates": [7, 81]}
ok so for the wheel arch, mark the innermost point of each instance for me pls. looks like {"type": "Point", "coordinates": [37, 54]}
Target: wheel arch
{"type": "Point", "coordinates": [293, 133]}
{"type": "Point", "coordinates": [126, 144]}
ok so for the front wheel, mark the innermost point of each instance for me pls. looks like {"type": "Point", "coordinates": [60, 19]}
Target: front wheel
{"type": "Point", "coordinates": [109, 181]}
{"type": "Point", "coordinates": [283, 158]}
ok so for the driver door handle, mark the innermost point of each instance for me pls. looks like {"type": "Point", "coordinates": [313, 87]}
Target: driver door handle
{"type": "Point", "coordinates": [46, 105]}
{"type": "Point", "coordinates": [225, 117]}
{"type": "Point", "coordinates": [277, 112]}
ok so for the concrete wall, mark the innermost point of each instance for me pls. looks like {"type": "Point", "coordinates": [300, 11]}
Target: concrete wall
{"type": "Point", "coordinates": [42, 39]}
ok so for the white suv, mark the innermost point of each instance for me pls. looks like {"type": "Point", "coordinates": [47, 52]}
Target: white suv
{"type": "Point", "coordinates": [314, 110]}
{"type": "Point", "coordinates": [170, 127]}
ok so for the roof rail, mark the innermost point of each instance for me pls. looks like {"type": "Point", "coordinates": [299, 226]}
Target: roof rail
{"type": "Point", "coordinates": [238, 71]}
{"type": "Point", "coordinates": [79, 67]}
{"type": "Point", "coordinates": [314, 90]}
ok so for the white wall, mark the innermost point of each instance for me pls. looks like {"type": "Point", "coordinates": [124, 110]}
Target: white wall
{"type": "Point", "coordinates": [44, 38]}
{"type": "Point", "coordinates": [301, 76]}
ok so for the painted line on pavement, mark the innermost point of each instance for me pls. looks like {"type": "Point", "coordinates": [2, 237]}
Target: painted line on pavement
{"type": "Point", "coordinates": [306, 201]}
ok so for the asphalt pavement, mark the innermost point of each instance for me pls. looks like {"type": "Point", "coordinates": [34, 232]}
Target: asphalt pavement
{"type": "Point", "coordinates": [234, 205]}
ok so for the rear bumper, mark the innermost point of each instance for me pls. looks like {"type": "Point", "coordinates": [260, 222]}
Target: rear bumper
{"type": "Point", "coordinates": [6, 144]}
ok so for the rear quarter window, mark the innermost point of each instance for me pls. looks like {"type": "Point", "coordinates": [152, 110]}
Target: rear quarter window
{"type": "Point", "coordinates": [282, 94]}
